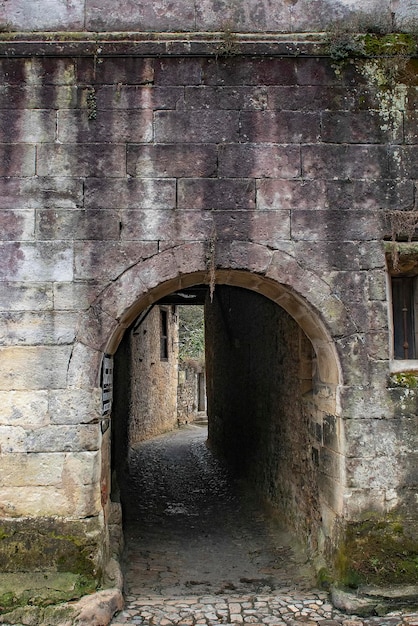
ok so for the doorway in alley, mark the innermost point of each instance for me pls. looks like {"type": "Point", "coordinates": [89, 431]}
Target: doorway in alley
{"type": "Point", "coordinates": [193, 497]}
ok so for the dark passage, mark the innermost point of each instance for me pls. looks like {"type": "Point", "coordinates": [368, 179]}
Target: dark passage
{"type": "Point", "coordinates": [191, 528]}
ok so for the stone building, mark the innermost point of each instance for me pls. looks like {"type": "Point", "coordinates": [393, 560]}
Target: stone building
{"type": "Point", "coordinates": [147, 364]}
{"type": "Point", "coordinates": [253, 147]}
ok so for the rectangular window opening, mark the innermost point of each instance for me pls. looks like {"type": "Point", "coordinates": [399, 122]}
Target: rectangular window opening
{"type": "Point", "coordinates": [164, 334]}
{"type": "Point", "coordinates": [404, 310]}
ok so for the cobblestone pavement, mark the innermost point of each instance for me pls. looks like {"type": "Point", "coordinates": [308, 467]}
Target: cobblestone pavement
{"type": "Point", "coordinates": [293, 609]}
{"type": "Point", "coordinates": [199, 551]}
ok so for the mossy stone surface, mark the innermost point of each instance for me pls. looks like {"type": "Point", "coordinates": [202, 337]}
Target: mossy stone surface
{"type": "Point", "coordinates": [27, 545]}
{"type": "Point", "coordinates": [41, 589]}
{"type": "Point", "coordinates": [377, 552]}
{"type": "Point", "coordinates": [45, 561]}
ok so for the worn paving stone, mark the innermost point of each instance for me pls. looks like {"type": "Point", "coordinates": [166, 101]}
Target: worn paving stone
{"type": "Point", "coordinates": [175, 568]}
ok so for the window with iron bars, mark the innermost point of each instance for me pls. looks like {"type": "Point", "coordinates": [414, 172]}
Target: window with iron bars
{"type": "Point", "coordinates": [404, 311]}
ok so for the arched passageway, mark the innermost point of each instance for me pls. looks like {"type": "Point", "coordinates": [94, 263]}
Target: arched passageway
{"type": "Point", "coordinates": [272, 399]}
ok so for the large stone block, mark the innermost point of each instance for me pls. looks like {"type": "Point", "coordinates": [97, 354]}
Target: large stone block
{"type": "Point", "coordinates": [291, 194]}
{"type": "Point", "coordinates": [164, 226]}
{"type": "Point", "coordinates": [15, 71]}
{"type": "Point", "coordinates": [350, 287]}
{"type": "Point", "coordinates": [99, 260]}
{"type": "Point", "coordinates": [81, 160]}
{"type": "Point", "coordinates": [239, 16]}
{"type": "Point", "coordinates": [220, 193]}
{"type": "Point", "coordinates": [403, 162]}
{"type": "Point", "coordinates": [44, 261]}
{"type": "Point", "coordinates": [377, 285]}
{"type": "Point", "coordinates": [35, 96]}
{"type": "Point", "coordinates": [354, 358]}
{"type": "Point", "coordinates": [117, 72]}
{"type": "Point", "coordinates": [17, 160]}
{"type": "Point", "coordinates": [85, 366]}
{"type": "Point", "coordinates": [392, 438]}
{"type": "Point", "coordinates": [73, 224]}
{"type": "Point", "coordinates": [232, 98]}
{"type": "Point", "coordinates": [335, 225]}
{"type": "Point", "coordinates": [379, 473]}
{"type": "Point", "coordinates": [49, 15]}
{"type": "Point", "coordinates": [61, 438]}
{"type": "Point", "coordinates": [22, 469]}
{"type": "Point", "coordinates": [362, 127]}
{"type": "Point", "coordinates": [74, 296]}
{"type": "Point", "coordinates": [171, 160]}
{"type": "Point", "coordinates": [196, 126]}
{"type": "Point", "coordinates": [378, 317]}
{"type": "Point", "coordinates": [262, 227]}
{"type": "Point", "coordinates": [366, 194]}
{"type": "Point", "coordinates": [259, 161]}
{"type": "Point", "coordinates": [95, 327]}
{"type": "Point", "coordinates": [309, 98]}
{"type": "Point", "coordinates": [243, 255]}
{"type": "Point", "coordinates": [75, 406]}
{"type": "Point", "coordinates": [51, 71]}
{"type": "Point", "coordinates": [361, 401]}
{"type": "Point", "coordinates": [161, 15]}
{"type": "Point", "coordinates": [42, 193]}
{"type": "Point", "coordinates": [82, 468]}
{"type": "Point", "coordinates": [321, 15]}
{"type": "Point", "coordinates": [345, 161]}
{"type": "Point", "coordinates": [49, 543]}
{"type": "Point", "coordinates": [177, 71]}
{"type": "Point", "coordinates": [346, 255]}
{"type": "Point", "coordinates": [107, 127]}
{"type": "Point", "coordinates": [26, 297]}
{"type": "Point", "coordinates": [17, 225]}
{"type": "Point", "coordinates": [323, 72]}
{"type": "Point", "coordinates": [138, 97]}
{"type": "Point", "coordinates": [255, 71]}
{"type": "Point", "coordinates": [46, 328]}
{"type": "Point", "coordinates": [27, 126]}
{"type": "Point", "coordinates": [280, 126]}
{"type": "Point", "coordinates": [44, 501]}
{"type": "Point", "coordinates": [30, 367]}
{"type": "Point", "coordinates": [25, 409]}
{"type": "Point", "coordinates": [130, 193]}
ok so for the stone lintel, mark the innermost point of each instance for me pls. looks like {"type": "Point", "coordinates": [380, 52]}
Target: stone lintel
{"type": "Point", "coordinates": [114, 44]}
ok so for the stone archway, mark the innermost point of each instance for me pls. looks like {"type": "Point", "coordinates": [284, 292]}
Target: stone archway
{"type": "Point", "coordinates": [276, 275]}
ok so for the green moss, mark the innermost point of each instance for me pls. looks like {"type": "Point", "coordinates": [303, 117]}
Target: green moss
{"type": "Point", "coordinates": [406, 380]}
{"type": "Point", "coordinates": [390, 44]}
{"type": "Point", "coordinates": [324, 578]}
{"type": "Point", "coordinates": [377, 552]}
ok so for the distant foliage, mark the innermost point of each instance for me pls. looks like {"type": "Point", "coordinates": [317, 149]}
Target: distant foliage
{"type": "Point", "coordinates": [191, 333]}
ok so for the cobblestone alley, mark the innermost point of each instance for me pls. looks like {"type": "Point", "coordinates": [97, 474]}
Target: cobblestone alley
{"type": "Point", "coordinates": [200, 549]}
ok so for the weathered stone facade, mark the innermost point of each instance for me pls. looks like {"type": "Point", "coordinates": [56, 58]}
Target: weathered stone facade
{"type": "Point", "coordinates": [153, 375]}
{"type": "Point", "coordinates": [137, 165]}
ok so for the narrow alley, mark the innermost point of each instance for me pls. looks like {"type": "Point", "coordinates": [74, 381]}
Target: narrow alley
{"type": "Point", "coordinates": [201, 549]}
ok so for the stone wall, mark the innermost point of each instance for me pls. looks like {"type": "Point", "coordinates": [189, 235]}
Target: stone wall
{"type": "Point", "coordinates": [207, 15]}
{"type": "Point", "coordinates": [266, 412]}
{"type": "Point", "coordinates": [188, 390]}
{"type": "Point", "coordinates": [133, 168]}
{"type": "Point", "coordinates": [153, 397]}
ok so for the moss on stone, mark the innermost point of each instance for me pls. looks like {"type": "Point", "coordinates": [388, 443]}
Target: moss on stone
{"type": "Point", "coordinates": [389, 44]}
{"type": "Point", "coordinates": [48, 561]}
{"type": "Point", "coordinates": [42, 589]}
{"type": "Point", "coordinates": [377, 552]}
{"type": "Point", "coordinates": [406, 380]}
{"type": "Point", "coordinates": [324, 578]}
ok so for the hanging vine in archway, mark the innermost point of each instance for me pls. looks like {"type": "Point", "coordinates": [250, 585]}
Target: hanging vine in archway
{"type": "Point", "coordinates": [211, 262]}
